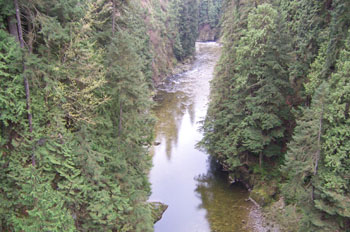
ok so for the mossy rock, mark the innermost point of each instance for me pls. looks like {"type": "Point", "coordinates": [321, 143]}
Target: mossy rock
{"type": "Point", "coordinates": [158, 209]}
{"type": "Point", "coordinates": [263, 195]}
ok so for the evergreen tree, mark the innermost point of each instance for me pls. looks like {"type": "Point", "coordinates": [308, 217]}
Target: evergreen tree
{"type": "Point", "coordinates": [89, 74]}
{"type": "Point", "coordinates": [188, 28]}
{"type": "Point", "coordinates": [253, 114]}
{"type": "Point", "coordinates": [263, 84]}
{"type": "Point", "coordinates": [332, 188]}
{"type": "Point", "coordinates": [219, 116]}
{"type": "Point", "coordinates": [259, 79]}
{"type": "Point", "coordinates": [308, 28]}
{"type": "Point", "coordinates": [210, 12]}
{"type": "Point", "coordinates": [303, 156]}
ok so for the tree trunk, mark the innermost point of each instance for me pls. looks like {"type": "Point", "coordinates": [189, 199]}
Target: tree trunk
{"type": "Point", "coordinates": [317, 156]}
{"type": "Point", "coordinates": [30, 34]}
{"type": "Point", "coordinates": [11, 20]}
{"type": "Point", "coordinates": [120, 118]}
{"type": "Point", "coordinates": [26, 84]}
{"type": "Point", "coordinates": [113, 17]}
{"type": "Point", "coordinates": [260, 159]}
{"type": "Point", "coordinates": [318, 152]}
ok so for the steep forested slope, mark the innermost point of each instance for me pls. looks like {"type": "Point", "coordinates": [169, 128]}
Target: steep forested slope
{"type": "Point", "coordinates": [209, 20]}
{"type": "Point", "coordinates": [279, 106]}
{"type": "Point", "coordinates": [172, 28]}
{"type": "Point", "coordinates": [75, 112]}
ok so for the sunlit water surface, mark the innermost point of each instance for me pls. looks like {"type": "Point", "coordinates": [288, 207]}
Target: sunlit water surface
{"type": "Point", "coordinates": [199, 196]}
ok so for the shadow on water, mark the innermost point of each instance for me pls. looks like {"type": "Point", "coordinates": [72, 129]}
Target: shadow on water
{"type": "Point", "coordinates": [226, 204]}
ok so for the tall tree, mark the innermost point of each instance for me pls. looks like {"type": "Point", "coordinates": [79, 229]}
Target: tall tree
{"type": "Point", "coordinates": [304, 152]}
{"type": "Point", "coordinates": [86, 176]}
{"type": "Point", "coordinates": [254, 113]}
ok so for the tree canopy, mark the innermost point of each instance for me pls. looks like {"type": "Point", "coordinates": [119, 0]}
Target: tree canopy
{"type": "Point", "coordinates": [74, 138]}
{"type": "Point", "coordinates": [279, 104]}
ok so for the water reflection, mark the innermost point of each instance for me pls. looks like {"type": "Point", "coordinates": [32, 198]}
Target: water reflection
{"type": "Point", "coordinates": [169, 119]}
{"type": "Point", "coordinates": [226, 205]}
{"type": "Point", "coordinates": [199, 198]}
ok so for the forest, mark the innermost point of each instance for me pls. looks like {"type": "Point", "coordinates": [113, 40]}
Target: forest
{"type": "Point", "coordinates": [77, 82]}
{"type": "Point", "coordinates": [77, 79]}
{"type": "Point", "coordinates": [278, 118]}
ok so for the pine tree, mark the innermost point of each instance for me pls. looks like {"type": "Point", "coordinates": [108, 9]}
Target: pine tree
{"type": "Point", "coordinates": [188, 28]}
{"type": "Point", "coordinates": [303, 157]}
{"type": "Point", "coordinates": [333, 185]}
{"type": "Point", "coordinates": [216, 126]}
{"type": "Point", "coordinates": [253, 113]}
{"type": "Point", "coordinates": [90, 174]}
{"type": "Point", "coordinates": [308, 28]}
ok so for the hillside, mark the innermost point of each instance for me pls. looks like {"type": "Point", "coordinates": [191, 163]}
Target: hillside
{"type": "Point", "coordinates": [77, 80]}
{"type": "Point", "coordinates": [278, 116]}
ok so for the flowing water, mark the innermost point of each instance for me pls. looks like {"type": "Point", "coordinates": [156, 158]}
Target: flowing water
{"type": "Point", "coordinates": [198, 193]}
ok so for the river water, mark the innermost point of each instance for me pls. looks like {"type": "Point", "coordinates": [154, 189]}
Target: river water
{"type": "Point", "coordinates": [198, 193]}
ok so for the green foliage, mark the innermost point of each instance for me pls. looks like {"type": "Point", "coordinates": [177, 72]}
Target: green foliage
{"type": "Point", "coordinates": [210, 12]}
{"type": "Point", "coordinates": [186, 14]}
{"type": "Point", "coordinates": [250, 114]}
{"type": "Point", "coordinates": [333, 184]}
{"type": "Point", "coordinates": [308, 25]}
{"type": "Point", "coordinates": [304, 150]}
{"type": "Point", "coordinates": [12, 102]}
{"type": "Point", "coordinates": [260, 80]}
{"type": "Point", "coordinates": [44, 206]}
{"type": "Point", "coordinates": [321, 191]}
{"type": "Point", "coordinates": [84, 167]}
{"type": "Point", "coordinates": [12, 116]}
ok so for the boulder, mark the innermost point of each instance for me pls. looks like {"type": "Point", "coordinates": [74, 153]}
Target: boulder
{"type": "Point", "coordinates": [158, 210]}
{"type": "Point", "coordinates": [263, 194]}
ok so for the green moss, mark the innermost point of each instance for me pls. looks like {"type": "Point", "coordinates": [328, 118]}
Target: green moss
{"type": "Point", "coordinates": [264, 194]}
{"type": "Point", "coordinates": [158, 209]}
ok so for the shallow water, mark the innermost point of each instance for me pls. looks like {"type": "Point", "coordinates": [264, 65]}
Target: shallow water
{"type": "Point", "coordinates": [199, 196]}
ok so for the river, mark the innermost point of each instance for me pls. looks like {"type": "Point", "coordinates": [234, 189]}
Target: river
{"type": "Point", "coordinates": [198, 193]}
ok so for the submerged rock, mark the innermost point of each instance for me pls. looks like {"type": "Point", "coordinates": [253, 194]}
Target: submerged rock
{"type": "Point", "coordinates": [158, 210]}
{"type": "Point", "coordinates": [156, 143]}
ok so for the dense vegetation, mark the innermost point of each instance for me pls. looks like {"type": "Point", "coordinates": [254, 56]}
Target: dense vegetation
{"type": "Point", "coordinates": [75, 111]}
{"type": "Point", "coordinates": [77, 77]}
{"type": "Point", "coordinates": [279, 110]}
{"type": "Point", "coordinates": [172, 28]}
{"type": "Point", "coordinates": [209, 19]}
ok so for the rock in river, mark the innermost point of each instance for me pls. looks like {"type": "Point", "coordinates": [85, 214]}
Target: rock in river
{"type": "Point", "coordinates": [158, 209]}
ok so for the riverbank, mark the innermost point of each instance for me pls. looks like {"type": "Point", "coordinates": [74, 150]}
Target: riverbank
{"type": "Point", "coordinates": [270, 213]}
{"type": "Point", "coordinates": [260, 223]}
{"type": "Point", "coordinates": [180, 68]}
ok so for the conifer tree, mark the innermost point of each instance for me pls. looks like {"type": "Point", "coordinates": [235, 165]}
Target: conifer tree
{"type": "Point", "coordinates": [308, 28]}
{"type": "Point", "coordinates": [317, 162]}
{"type": "Point", "coordinates": [216, 129]}
{"type": "Point", "coordinates": [263, 84]}
{"type": "Point", "coordinates": [188, 28]}
{"type": "Point", "coordinates": [87, 176]}
{"type": "Point", "coordinates": [332, 189]}
{"type": "Point", "coordinates": [303, 156]}
{"type": "Point", "coordinates": [253, 113]}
